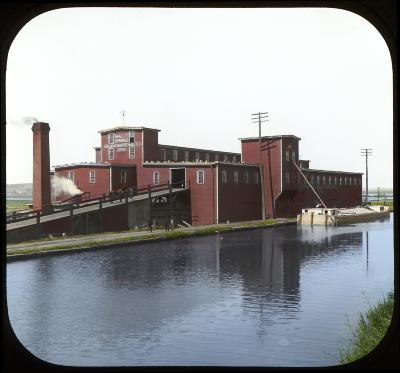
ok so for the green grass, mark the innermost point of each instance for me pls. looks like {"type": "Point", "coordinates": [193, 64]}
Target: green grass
{"type": "Point", "coordinates": [15, 205]}
{"type": "Point", "coordinates": [385, 203]}
{"type": "Point", "coordinates": [370, 330]}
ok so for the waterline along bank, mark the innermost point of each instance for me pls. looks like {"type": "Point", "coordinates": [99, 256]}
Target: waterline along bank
{"type": "Point", "coordinates": [106, 240]}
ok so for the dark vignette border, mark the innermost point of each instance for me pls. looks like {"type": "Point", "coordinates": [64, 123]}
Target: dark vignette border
{"type": "Point", "coordinates": [381, 13]}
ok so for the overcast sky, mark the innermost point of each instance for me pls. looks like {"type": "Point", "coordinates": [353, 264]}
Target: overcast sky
{"type": "Point", "coordinates": [324, 75]}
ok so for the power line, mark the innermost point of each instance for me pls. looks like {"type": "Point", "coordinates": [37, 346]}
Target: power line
{"type": "Point", "coordinates": [365, 152]}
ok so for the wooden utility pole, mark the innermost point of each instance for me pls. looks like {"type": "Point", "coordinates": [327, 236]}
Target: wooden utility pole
{"type": "Point", "coordinates": [260, 118]}
{"type": "Point", "coordinates": [365, 153]}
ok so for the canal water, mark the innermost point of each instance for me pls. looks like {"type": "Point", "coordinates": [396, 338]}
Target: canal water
{"type": "Point", "coordinates": [267, 297]}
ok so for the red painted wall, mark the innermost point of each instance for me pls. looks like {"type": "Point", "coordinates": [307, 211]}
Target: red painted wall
{"type": "Point", "coordinates": [145, 177]}
{"type": "Point", "coordinates": [271, 160]}
{"type": "Point", "coordinates": [151, 149]}
{"type": "Point", "coordinates": [241, 201]}
{"type": "Point", "coordinates": [81, 179]}
{"type": "Point", "coordinates": [203, 209]}
{"type": "Point", "coordinates": [131, 177]}
{"type": "Point", "coordinates": [121, 155]}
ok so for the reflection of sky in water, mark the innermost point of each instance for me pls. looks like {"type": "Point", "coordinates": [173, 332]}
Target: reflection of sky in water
{"type": "Point", "coordinates": [263, 297]}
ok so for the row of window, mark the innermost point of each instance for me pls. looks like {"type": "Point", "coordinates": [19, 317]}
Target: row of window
{"type": "Point", "coordinates": [92, 176]}
{"type": "Point", "coordinates": [288, 155]}
{"type": "Point", "coordinates": [111, 137]}
{"type": "Point", "coordinates": [131, 153]}
{"type": "Point", "coordinates": [224, 177]}
{"type": "Point", "coordinates": [246, 177]}
{"type": "Point", "coordinates": [187, 156]}
{"type": "Point", "coordinates": [325, 180]}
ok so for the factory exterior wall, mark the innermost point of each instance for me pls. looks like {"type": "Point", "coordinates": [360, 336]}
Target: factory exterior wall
{"type": "Point", "coordinates": [168, 151]}
{"type": "Point", "coordinates": [151, 151]}
{"type": "Point", "coordinates": [82, 179]}
{"type": "Point", "coordinates": [239, 201]}
{"type": "Point", "coordinates": [290, 153]}
{"type": "Point", "coordinates": [146, 175]}
{"type": "Point", "coordinates": [299, 196]}
{"type": "Point", "coordinates": [271, 160]}
{"type": "Point", "coordinates": [121, 147]}
{"type": "Point", "coordinates": [117, 182]}
{"type": "Point", "coordinates": [201, 195]}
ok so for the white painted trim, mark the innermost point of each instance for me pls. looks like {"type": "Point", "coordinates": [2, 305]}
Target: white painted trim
{"type": "Point", "coordinates": [110, 179]}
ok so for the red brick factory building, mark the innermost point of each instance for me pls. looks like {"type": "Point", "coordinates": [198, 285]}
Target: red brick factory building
{"type": "Point", "coordinates": [221, 186]}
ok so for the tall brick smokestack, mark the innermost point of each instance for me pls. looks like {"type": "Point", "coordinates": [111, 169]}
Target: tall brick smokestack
{"type": "Point", "coordinates": [41, 193]}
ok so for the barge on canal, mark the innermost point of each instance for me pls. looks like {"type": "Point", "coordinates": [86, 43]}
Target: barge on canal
{"type": "Point", "coordinates": [337, 216]}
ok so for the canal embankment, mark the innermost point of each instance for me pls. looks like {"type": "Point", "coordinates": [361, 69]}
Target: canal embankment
{"type": "Point", "coordinates": [54, 245]}
{"type": "Point", "coordinates": [369, 331]}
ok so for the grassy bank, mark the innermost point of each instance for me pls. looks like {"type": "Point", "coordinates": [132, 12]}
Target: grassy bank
{"type": "Point", "coordinates": [384, 203]}
{"type": "Point", "coordinates": [127, 237]}
{"type": "Point", "coordinates": [370, 330]}
{"type": "Point", "coordinates": [15, 205]}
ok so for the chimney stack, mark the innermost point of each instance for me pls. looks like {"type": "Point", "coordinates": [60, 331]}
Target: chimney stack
{"type": "Point", "coordinates": [98, 154]}
{"type": "Point", "coordinates": [41, 193]}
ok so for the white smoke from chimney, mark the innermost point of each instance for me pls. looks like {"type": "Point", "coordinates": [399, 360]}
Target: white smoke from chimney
{"type": "Point", "coordinates": [61, 185]}
{"type": "Point", "coordinates": [24, 121]}
{"type": "Point", "coordinates": [29, 120]}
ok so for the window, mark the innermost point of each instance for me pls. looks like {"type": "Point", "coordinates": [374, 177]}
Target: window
{"type": "Point", "coordinates": [175, 155]}
{"type": "Point", "coordinates": [186, 156]}
{"type": "Point", "coordinates": [131, 137]}
{"type": "Point", "coordinates": [111, 153]}
{"type": "Point", "coordinates": [329, 180]}
{"type": "Point", "coordinates": [287, 155]}
{"type": "Point", "coordinates": [350, 181]}
{"type": "Point", "coordinates": [345, 180]}
{"type": "Point", "coordinates": [293, 155]}
{"type": "Point", "coordinates": [71, 175]}
{"type": "Point", "coordinates": [197, 156]}
{"type": "Point", "coordinates": [207, 157]}
{"type": "Point", "coordinates": [235, 177]}
{"type": "Point", "coordinates": [234, 158]}
{"type": "Point", "coordinates": [323, 180]}
{"type": "Point", "coordinates": [156, 177]}
{"type": "Point", "coordinates": [131, 152]}
{"type": "Point", "coordinates": [246, 177]}
{"type": "Point", "coordinates": [312, 179]}
{"type": "Point", "coordinates": [317, 179]}
{"type": "Point", "coordinates": [92, 176]}
{"type": "Point", "coordinates": [256, 177]}
{"type": "Point", "coordinates": [225, 158]}
{"type": "Point", "coordinates": [163, 155]}
{"type": "Point", "coordinates": [217, 157]}
{"type": "Point", "coordinates": [111, 138]}
{"type": "Point", "coordinates": [223, 177]}
{"type": "Point", "coordinates": [200, 177]}
{"type": "Point", "coordinates": [340, 180]}
{"type": "Point", "coordinates": [287, 175]}
{"type": "Point", "coordinates": [123, 177]}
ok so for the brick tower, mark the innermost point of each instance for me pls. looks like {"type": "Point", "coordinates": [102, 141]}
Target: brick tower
{"type": "Point", "coordinates": [41, 193]}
